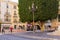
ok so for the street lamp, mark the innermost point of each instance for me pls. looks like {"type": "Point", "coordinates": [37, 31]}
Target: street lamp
{"type": "Point", "coordinates": [33, 9]}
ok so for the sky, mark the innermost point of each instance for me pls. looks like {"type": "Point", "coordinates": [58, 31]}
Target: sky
{"type": "Point", "coordinates": [15, 1]}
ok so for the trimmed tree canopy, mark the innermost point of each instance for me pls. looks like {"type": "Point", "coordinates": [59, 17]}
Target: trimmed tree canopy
{"type": "Point", "coordinates": [47, 9]}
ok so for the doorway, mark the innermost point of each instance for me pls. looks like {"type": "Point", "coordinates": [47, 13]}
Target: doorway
{"type": "Point", "coordinates": [38, 27]}
{"type": "Point", "coordinates": [14, 26]}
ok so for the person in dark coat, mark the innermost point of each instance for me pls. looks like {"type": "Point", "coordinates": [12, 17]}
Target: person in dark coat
{"type": "Point", "coordinates": [3, 31]}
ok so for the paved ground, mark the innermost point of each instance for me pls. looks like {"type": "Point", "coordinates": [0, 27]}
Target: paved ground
{"type": "Point", "coordinates": [28, 36]}
{"type": "Point", "coordinates": [38, 35]}
{"type": "Point", "coordinates": [12, 37]}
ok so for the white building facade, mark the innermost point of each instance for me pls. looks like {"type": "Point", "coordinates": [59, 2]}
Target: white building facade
{"type": "Point", "coordinates": [9, 14]}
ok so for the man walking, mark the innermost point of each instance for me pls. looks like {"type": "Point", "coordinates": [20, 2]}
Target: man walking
{"type": "Point", "coordinates": [3, 30]}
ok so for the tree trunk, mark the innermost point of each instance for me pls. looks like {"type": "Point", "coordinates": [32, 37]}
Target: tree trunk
{"type": "Point", "coordinates": [42, 26]}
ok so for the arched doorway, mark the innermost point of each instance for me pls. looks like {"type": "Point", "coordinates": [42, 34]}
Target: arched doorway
{"type": "Point", "coordinates": [38, 27]}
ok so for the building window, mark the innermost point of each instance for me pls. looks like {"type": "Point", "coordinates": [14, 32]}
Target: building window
{"type": "Point", "coordinates": [15, 21]}
{"type": "Point", "coordinates": [7, 18]}
{"type": "Point", "coordinates": [0, 12]}
{"type": "Point", "coordinates": [15, 16]}
{"type": "Point", "coordinates": [14, 7]}
{"type": "Point", "coordinates": [14, 12]}
{"type": "Point", "coordinates": [59, 17]}
{"type": "Point", "coordinates": [7, 6]}
{"type": "Point", "coordinates": [0, 4]}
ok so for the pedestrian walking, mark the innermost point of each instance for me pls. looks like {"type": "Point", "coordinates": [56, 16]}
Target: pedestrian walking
{"type": "Point", "coordinates": [3, 30]}
{"type": "Point", "coordinates": [11, 29]}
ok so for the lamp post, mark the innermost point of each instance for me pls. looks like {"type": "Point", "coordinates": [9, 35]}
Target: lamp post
{"type": "Point", "coordinates": [33, 9]}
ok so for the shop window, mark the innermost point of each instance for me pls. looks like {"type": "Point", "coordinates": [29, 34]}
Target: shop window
{"type": "Point", "coordinates": [6, 27]}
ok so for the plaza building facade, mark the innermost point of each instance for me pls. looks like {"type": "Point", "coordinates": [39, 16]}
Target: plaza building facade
{"type": "Point", "coordinates": [9, 16]}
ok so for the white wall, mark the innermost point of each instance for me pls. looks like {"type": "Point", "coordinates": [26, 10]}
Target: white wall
{"type": "Point", "coordinates": [3, 10]}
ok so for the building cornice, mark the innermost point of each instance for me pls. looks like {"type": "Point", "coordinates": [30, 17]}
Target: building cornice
{"type": "Point", "coordinates": [9, 2]}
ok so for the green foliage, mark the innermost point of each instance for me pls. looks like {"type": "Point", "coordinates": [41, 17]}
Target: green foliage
{"type": "Point", "coordinates": [47, 9]}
